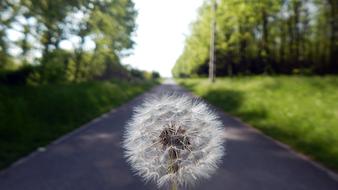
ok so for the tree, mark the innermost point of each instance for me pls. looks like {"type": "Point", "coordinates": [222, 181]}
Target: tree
{"type": "Point", "coordinates": [8, 12]}
{"type": "Point", "coordinates": [44, 24]}
{"type": "Point", "coordinates": [265, 36]}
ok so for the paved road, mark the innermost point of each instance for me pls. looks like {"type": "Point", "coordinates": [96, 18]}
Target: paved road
{"type": "Point", "coordinates": [91, 159]}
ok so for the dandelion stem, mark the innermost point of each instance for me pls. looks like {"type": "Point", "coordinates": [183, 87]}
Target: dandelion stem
{"type": "Point", "coordinates": [172, 169]}
{"type": "Point", "coordinates": [173, 185]}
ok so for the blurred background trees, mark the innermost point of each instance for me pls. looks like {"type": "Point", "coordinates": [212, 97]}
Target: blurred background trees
{"type": "Point", "coordinates": [264, 36]}
{"type": "Point", "coordinates": [60, 68]}
{"type": "Point", "coordinates": [34, 34]}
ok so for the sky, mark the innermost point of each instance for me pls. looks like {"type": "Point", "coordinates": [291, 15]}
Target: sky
{"type": "Point", "coordinates": [160, 34]}
{"type": "Point", "coordinates": [162, 26]}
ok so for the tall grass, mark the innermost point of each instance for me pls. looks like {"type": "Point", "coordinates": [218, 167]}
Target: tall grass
{"type": "Point", "coordinates": [33, 116]}
{"type": "Point", "coordinates": [300, 111]}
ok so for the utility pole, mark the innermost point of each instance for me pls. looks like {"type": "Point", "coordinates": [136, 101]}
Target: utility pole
{"type": "Point", "coordinates": [212, 74]}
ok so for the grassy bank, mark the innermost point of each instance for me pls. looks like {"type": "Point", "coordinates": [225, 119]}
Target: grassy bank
{"type": "Point", "coordinates": [300, 111]}
{"type": "Point", "coordinates": [33, 116]}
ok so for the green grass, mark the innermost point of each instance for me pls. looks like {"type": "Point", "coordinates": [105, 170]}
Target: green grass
{"type": "Point", "coordinates": [34, 116]}
{"type": "Point", "coordinates": [299, 111]}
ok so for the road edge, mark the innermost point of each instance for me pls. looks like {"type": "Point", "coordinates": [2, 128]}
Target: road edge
{"type": "Point", "coordinates": [81, 128]}
{"type": "Point", "coordinates": [331, 173]}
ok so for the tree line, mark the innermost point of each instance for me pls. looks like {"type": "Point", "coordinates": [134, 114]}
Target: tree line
{"type": "Point", "coordinates": [99, 32]}
{"type": "Point", "coordinates": [264, 36]}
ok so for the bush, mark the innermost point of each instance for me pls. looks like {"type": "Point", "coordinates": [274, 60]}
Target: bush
{"type": "Point", "coordinates": [155, 75]}
{"type": "Point", "coordinates": [18, 77]}
{"type": "Point", "coordinates": [54, 66]}
{"type": "Point", "coordinates": [135, 73]}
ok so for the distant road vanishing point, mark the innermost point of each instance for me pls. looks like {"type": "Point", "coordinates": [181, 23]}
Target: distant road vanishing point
{"type": "Point", "coordinates": [91, 158]}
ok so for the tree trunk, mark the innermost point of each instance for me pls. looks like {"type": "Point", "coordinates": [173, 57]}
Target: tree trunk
{"type": "Point", "coordinates": [265, 42]}
{"type": "Point", "coordinates": [334, 35]}
{"type": "Point", "coordinates": [78, 60]}
{"type": "Point", "coordinates": [296, 7]}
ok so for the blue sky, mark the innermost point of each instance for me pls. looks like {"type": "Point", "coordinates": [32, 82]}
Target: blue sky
{"type": "Point", "coordinates": [162, 27]}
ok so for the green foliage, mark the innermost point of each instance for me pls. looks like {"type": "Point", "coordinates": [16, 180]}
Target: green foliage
{"type": "Point", "coordinates": [263, 36]}
{"type": "Point", "coordinates": [43, 97]}
{"type": "Point", "coordinates": [6, 8]}
{"type": "Point", "coordinates": [139, 74]}
{"type": "Point", "coordinates": [32, 116]}
{"type": "Point", "coordinates": [16, 77]}
{"type": "Point", "coordinates": [300, 111]}
{"type": "Point", "coordinates": [55, 67]}
{"type": "Point", "coordinates": [155, 75]}
{"type": "Point", "coordinates": [44, 24]}
{"type": "Point", "coordinates": [196, 51]}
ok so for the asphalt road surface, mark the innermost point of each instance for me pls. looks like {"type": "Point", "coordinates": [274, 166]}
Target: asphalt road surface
{"type": "Point", "coordinates": [91, 158]}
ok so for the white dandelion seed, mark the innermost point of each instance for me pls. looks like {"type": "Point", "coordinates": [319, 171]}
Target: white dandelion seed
{"type": "Point", "coordinates": [174, 141]}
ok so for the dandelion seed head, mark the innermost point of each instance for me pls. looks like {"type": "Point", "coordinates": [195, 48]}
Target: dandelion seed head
{"type": "Point", "coordinates": [174, 138]}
